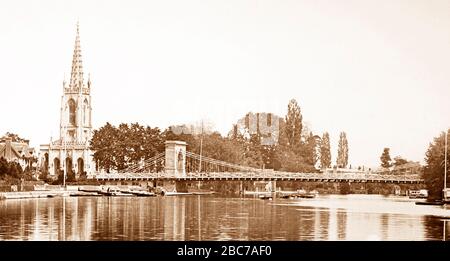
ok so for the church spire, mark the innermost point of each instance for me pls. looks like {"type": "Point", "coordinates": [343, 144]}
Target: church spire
{"type": "Point", "coordinates": [76, 75]}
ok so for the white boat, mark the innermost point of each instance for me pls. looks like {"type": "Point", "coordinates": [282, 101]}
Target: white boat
{"type": "Point", "coordinates": [174, 193]}
{"type": "Point", "coordinates": [414, 194]}
{"type": "Point", "coordinates": [115, 191]}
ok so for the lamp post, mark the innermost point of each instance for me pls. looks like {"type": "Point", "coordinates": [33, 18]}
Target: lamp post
{"type": "Point", "coordinates": [444, 191]}
{"type": "Point", "coordinates": [445, 163]}
{"type": "Point", "coordinates": [201, 151]}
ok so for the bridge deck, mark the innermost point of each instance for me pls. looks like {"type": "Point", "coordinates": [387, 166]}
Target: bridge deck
{"type": "Point", "coordinates": [264, 176]}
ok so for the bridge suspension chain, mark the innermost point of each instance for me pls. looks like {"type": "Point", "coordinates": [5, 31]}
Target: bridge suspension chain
{"type": "Point", "coordinates": [218, 163]}
{"type": "Point", "coordinates": [146, 164]}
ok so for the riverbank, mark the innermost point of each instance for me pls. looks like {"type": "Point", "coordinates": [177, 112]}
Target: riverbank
{"type": "Point", "coordinates": [236, 187]}
{"type": "Point", "coordinates": [221, 187]}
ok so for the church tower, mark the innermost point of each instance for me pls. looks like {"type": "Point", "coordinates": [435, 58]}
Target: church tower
{"type": "Point", "coordinates": [75, 121]}
{"type": "Point", "coordinates": [70, 154]}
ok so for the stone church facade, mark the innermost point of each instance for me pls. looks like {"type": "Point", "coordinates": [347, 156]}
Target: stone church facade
{"type": "Point", "coordinates": [70, 154]}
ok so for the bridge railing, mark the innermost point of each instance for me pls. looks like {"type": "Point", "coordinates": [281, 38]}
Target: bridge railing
{"type": "Point", "coordinates": [265, 175]}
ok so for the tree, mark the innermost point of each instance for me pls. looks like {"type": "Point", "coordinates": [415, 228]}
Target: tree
{"type": "Point", "coordinates": [325, 151]}
{"type": "Point", "coordinates": [310, 149]}
{"type": "Point", "coordinates": [11, 169]}
{"type": "Point", "coordinates": [385, 158]}
{"type": "Point", "coordinates": [103, 143]}
{"type": "Point", "coordinates": [14, 170]}
{"type": "Point", "coordinates": [293, 125]}
{"type": "Point", "coordinates": [291, 161]}
{"type": "Point", "coordinates": [124, 146]}
{"type": "Point", "coordinates": [4, 167]}
{"type": "Point", "coordinates": [398, 161]}
{"type": "Point", "coordinates": [433, 172]}
{"type": "Point", "coordinates": [15, 137]}
{"type": "Point", "coordinates": [342, 158]}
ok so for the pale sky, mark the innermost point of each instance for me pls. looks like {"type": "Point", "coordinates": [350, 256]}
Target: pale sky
{"type": "Point", "coordinates": [377, 69]}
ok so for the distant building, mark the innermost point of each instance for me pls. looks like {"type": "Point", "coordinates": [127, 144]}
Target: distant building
{"type": "Point", "coordinates": [70, 153]}
{"type": "Point", "coordinates": [265, 124]}
{"type": "Point", "coordinates": [17, 151]}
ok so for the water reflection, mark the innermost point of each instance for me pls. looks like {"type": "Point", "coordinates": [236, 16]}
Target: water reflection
{"type": "Point", "coordinates": [215, 218]}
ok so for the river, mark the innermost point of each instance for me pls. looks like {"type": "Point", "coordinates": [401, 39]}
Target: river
{"type": "Point", "coordinates": [330, 217]}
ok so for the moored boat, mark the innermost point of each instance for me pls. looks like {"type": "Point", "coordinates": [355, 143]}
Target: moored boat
{"type": "Point", "coordinates": [269, 197]}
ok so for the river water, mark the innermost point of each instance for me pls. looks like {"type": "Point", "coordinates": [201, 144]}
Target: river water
{"type": "Point", "coordinates": [332, 217]}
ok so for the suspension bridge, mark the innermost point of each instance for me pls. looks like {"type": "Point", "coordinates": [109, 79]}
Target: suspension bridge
{"type": "Point", "coordinates": [178, 164]}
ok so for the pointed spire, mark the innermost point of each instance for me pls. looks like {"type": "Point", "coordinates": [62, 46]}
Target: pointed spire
{"type": "Point", "coordinates": [76, 75]}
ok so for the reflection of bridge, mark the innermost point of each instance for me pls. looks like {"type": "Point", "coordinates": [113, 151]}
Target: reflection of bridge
{"type": "Point", "coordinates": [178, 164]}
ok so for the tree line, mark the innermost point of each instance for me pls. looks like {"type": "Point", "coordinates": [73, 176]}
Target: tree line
{"type": "Point", "coordinates": [10, 169]}
{"type": "Point", "coordinates": [433, 171]}
{"type": "Point", "coordinates": [297, 149]}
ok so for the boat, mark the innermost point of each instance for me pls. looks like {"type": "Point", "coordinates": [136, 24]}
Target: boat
{"type": "Point", "coordinates": [303, 194]}
{"type": "Point", "coordinates": [265, 197]}
{"type": "Point", "coordinates": [90, 189]}
{"type": "Point", "coordinates": [433, 203]}
{"type": "Point", "coordinates": [114, 191]}
{"type": "Point", "coordinates": [287, 196]}
{"type": "Point", "coordinates": [418, 194]}
{"type": "Point", "coordinates": [84, 194]}
{"type": "Point", "coordinates": [174, 193]}
{"type": "Point", "coordinates": [142, 193]}
{"type": "Point", "coordinates": [308, 196]}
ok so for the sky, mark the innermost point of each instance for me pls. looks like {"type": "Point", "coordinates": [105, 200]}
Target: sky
{"type": "Point", "coordinates": [376, 69]}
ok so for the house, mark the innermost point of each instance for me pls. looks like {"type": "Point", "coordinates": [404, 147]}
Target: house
{"type": "Point", "coordinates": [17, 151]}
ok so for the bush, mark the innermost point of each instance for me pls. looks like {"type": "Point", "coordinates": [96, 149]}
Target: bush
{"type": "Point", "coordinates": [344, 188]}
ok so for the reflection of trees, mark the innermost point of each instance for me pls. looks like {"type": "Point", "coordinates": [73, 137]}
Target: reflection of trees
{"type": "Point", "coordinates": [341, 224]}
{"type": "Point", "coordinates": [434, 228]}
{"type": "Point", "coordinates": [385, 226]}
{"type": "Point", "coordinates": [200, 218]}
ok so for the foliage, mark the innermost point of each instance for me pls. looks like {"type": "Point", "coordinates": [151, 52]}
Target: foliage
{"type": "Point", "coordinates": [14, 137]}
{"type": "Point", "coordinates": [433, 172]}
{"type": "Point", "coordinates": [325, 151]}
{"type": "Point", "coordinates": [311, 148]}
{"type": "Point", "coordinates": [385, 158]}
{"type": "Point", "coordinates": [10, 169]}
{"type": "Point", "coordinates": [116, 148]}
{"type": "Point", "coordinates": [344, 188]}
{"type": "Point", "coordinates": [342, 158]}
{"type": "Point", "coordinates": [119, 147]}
{"type": "Point", "coordinates": [293, 126]}
{"type": "Point", "coordinates": [398, 161]}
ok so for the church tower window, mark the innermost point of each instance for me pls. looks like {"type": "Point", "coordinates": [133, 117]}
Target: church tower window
{"type": "Point", "coordinates": [85, 112]}
{"type": "Point", "coordinates": [72, 112]}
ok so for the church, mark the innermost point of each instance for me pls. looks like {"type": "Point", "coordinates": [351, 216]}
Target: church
{"type": "Point", "coordinates": [70, 155]}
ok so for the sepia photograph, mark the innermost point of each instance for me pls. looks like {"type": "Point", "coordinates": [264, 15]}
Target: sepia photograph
{"type": "Point", "coordinates": [224, 120]}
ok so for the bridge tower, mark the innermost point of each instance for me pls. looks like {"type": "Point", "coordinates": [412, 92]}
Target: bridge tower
{"type": "Point", "coordinates": [176, 158]}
